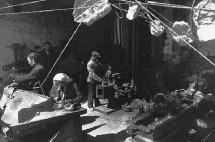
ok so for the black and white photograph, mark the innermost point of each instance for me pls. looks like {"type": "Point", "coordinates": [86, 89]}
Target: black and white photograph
{"type": "Point", "coordinates": [107, 71]}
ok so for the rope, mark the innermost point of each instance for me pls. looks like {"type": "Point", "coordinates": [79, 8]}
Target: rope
{"type": "Point", "coordinates": [176, 34]}
{"type": "Point", "coordinates": [61, 53]}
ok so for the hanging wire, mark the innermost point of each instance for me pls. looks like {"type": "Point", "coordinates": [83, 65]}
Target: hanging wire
{"type": "Point", "coordinates": [119, 8]}
{"type": "Point", "coordinates": [150, 19]}
{"type": "Point", "coordinates": [126, 1]}
{"type": "Point", "coordinates": [61, 53]}
{"type": "Point", "coordinates": [191, 14]}
{"type": "Point", "coordinates": [65, 9]}
{"type": "Point", "coordinates": [140, 14]}
{"type": "Point", "coordinates": [170, 5]}
{"type": "Point", "coordinates": [39, 11]}
{"type": "Point", "coordinates": [89, 7]}
{"type": "Point", "coordinates": [43, 11]}
{"type": "Point", "coordinates": [22, 4]}
{"type": "Point", "coordinates": [171, 23]}
{"type": "Point", "coordinates": [176, 34]}
{"type": "Point", "coordinates": [176, 6]}
{"type": "Point", "coordinates": [33, 2]}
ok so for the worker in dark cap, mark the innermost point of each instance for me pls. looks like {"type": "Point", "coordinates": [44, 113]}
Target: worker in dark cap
{"type": "Point", "coordinates": [96, 72]}
{"type": "Point", "coordinates": [30, 81]}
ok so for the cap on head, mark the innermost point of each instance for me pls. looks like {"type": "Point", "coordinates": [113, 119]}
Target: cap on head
{"type": "Point", "coordinates": [62, 77]}
{"type": "Point", "coordinates": [95, 53]}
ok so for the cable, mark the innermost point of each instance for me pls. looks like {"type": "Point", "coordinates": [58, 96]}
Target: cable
{"type": "Point", "coordinates": [40, 11]}
{"type": "Point", "coordinates": [119, 8]}
{"type": "Point", "coordinates": [208, 135]}
{"type": "Point", "coordinates": [61, 53]}
{"type": "Point", "coordinates": [190, 35]}
{"type": "Point", "coordinates": [191, 14]}
{"type": "Point", "coordinates": [88, 7]}
{"type": "Point", "coordinates": [171, 5]}
{"type": "Point", "coordinates": [176, 6]}
{"type": "Point", "coordinates": [176, 34]}
{"type": "Point", "coordinates": [46, 10]}
{"type": "Point", "coordinates": [140, 14]}
{"type": "Point", "coordinates": [126, 1]}
{"type": "Point", "coordinates": [22, 4]}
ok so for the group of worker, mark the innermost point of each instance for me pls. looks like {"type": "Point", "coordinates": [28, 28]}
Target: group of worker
{"type": "Point", "coordinates": [41, 61]}
{"type": "Point", "coordinates": [62, 85]}
{"type": "Point", "coordinates": [177, 73]}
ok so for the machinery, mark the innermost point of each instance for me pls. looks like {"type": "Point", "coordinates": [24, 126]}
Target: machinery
{"type": "Point", "coordinates": [170, 115]}
{"type": "Point", "coordinates": [116, 91]}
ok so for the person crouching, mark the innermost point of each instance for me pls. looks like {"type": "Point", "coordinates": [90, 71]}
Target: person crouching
{"type": "Point", "coordinates": [65, 92]}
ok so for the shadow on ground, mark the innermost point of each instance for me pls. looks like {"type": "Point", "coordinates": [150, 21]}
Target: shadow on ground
{"type": "Point", "coordinates": [88, 119]}
{"type": "Point", "coordinates": [118, 137]}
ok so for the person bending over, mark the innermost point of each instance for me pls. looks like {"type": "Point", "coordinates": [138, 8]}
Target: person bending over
{"type": "Point", "coordinates": [64, 90]}
{"type": "Point", "coordinates": [30, 81]}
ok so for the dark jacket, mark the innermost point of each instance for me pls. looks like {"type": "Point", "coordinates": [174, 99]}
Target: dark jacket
{"type": "Point", "coordinates": [47, 60]}
{"type": "Point", "coordinates": [28, 80]}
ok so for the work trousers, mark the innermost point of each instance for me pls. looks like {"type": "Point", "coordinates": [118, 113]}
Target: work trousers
{"type": "Point", "coordinates": [92, 100]}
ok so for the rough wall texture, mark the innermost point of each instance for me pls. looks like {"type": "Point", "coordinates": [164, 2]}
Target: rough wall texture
{"type": "Point", "coordinates": [55, 27]}
{"type": "Point", "coordinates": [33, 30]}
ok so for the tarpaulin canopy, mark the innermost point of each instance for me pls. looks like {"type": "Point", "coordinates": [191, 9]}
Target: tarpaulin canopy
{"type": "Point", "coordinates": [205, 23]}
{"type": "Point", "coordinates": [182, 31]}
{"type": "Point", "coordinates": [133, 11]}
{"type": "Point", "coordinates": [88, 11]}
{"type": "Point", "coordinates": [205, 20]}
{"type": "Point", "coordinates": [156, 28]}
